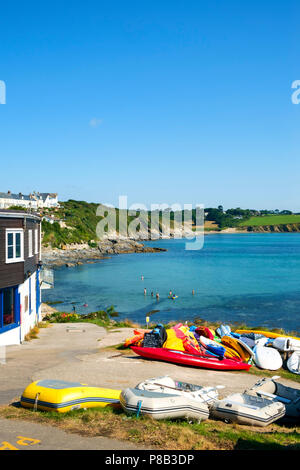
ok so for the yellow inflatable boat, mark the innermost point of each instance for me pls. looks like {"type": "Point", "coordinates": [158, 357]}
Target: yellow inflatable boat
{"type": "Point", "coordinates": [61, 396]}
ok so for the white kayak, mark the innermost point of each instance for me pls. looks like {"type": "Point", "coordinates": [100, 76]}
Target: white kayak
{"type": "Point", "coordinates": [293, 363]}
{"type": "Point", "coordinates": [286, 344]}
{"type": "Point", "coordinates": [267, 358]}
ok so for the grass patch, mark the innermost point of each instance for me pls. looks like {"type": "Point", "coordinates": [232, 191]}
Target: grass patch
{"type": "Point", "coordinates": [32, 334]}
{"type": "Point", "coordinates": [261, 221]}
{"type": "Point", "coordinates": [163, 434]}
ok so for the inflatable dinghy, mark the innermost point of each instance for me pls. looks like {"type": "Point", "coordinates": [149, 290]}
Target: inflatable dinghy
{"type": "Point", "coordinates": [267, 358]}
{"type": "Point", "coordinates": [61, 396]}
{"type": "Point", "coordinates": [166, 384]}
{"type": "Point", "coordinates": [273, 390]}
{"type": "Point", "coordinates": [184, 358]}
{"type": "Point", "coordinates": [242, 408]}
{"type": "Point", "coordinates": [163, 405]}
{"type": "Point", "coordinates": [293, 363]}
{"type": "Point", "coordinates": [286, 344]}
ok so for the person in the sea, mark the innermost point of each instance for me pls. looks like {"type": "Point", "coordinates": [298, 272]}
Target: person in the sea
{"type": "Point", "coordinates": [152, 294]}
{"type": "Point", "coordinates": [157, 296]}
{"type": "Point", "coordinates": [170, 293]}
{"type": "Point", "coordinates": [193, 292]}
{"type": "Point", "coordinates": [142, 277]}
{"type": "Point", "coordinates": [145, 291]}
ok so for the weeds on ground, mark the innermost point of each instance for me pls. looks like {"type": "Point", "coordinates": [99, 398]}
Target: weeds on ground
{"type": "Point", "coordinates": [163, 434]}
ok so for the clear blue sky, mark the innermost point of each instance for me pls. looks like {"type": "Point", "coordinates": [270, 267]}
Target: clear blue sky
{"type": "Point", "coordinates": [164, 101]}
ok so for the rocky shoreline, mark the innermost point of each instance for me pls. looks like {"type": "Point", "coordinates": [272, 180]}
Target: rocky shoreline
{"type": "Point", "coordinates": [77, 254]}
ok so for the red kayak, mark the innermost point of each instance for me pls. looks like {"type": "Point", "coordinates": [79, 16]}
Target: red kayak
{"type": "Point", "coordinates": [187, 359]}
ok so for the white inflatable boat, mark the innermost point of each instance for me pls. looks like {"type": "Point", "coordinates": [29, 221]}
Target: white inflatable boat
{"type": "Point", "coordinates": [267, 358]}
{"type": "Point", "coordinates": [286, 344]}
{"type": "Point", "coordinates": [242, 408]}
{"type": "Point", "coordinates": [161, 405]}
{"type": "Point", "coordinates": [293, 362]}
{"type": "Point", "coordinates": [277, 392]}
{"type": "Point", "coordinates": [166, 384]}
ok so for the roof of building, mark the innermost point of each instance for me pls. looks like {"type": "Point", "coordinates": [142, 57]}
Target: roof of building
{"type": "Point", "coordinates": [18, 214]}
{"type": "Point", "coordinates": [23, 197]}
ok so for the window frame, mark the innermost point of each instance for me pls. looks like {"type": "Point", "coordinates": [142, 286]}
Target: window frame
{"type": "Point", "coordinates": [36, 241]}
{"type": "Point", "coordinates": [30, 243]}
{"type": "Point", "coordinates": [15, 259]}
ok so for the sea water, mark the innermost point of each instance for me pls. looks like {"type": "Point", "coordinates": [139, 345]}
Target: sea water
{"type": "Point", "coordinates": [248, 278]}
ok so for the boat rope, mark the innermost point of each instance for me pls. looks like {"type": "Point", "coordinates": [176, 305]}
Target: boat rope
{"type": "Point", "coordinates": [139, 406]}
{"type": "Point", "coordinates": [36, 401]}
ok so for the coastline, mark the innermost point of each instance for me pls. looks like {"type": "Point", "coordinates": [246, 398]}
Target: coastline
{"type": "Point", "coordinates": [77, 254]}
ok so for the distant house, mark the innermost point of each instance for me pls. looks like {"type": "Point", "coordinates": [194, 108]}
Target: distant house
{"type": "Point", "coordinates": [32, 201]}
{"type": "Point", "coordinates": [20, 267]}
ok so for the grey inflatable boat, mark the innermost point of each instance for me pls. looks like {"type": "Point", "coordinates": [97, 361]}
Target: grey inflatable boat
{"type": "Point", "coordinates": [277, 392]}
{"type": "Point", "coordinates": [162, 405]}
{"type": "Point", "coordinates": [243, 408]}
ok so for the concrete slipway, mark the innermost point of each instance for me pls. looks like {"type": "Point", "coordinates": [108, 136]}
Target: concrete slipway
{"type": "Point", "coordinates": [80, 352]}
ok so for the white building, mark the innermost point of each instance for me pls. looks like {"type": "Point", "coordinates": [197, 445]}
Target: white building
{"type": "Point", "coordinates": [20, 266]}
{"type": "Point", "coordinates": [33, 201]}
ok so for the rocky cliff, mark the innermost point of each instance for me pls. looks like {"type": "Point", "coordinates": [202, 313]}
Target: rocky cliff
{"type": "Point", "coordinates": [275, 228]}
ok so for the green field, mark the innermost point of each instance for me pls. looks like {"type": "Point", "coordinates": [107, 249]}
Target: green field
{"type": "Point", "coordinates": [270, 220]}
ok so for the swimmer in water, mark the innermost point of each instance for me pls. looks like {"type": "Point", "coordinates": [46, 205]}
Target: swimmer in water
{"type": "Point", "coordinates": [142, 277]}
{"type": "Point", "coordinates": [193, 292]}
{"type": "Point", "coordinates": [145, 291]}
{"type": "Point", "coordinates": [157, 296]}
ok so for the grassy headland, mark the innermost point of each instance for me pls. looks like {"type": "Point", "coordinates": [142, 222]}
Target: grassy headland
{"type": "Point", "coordinates": [76, 222]}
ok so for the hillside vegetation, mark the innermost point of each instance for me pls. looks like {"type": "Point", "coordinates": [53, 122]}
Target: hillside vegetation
{"type": "Point", "coordinates": [76, 222]}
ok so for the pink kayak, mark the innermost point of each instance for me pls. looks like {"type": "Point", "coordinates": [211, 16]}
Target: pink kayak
{"type": "Point", "coordinates": [187, 359]}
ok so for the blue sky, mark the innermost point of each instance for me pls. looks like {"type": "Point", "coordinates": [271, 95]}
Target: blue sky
{"type": "Point", "coordinates": [164, 101]}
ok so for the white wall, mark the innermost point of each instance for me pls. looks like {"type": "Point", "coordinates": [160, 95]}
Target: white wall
{"type": "Point", "coordinates": [28, 320]}
{"type": "Point", "coordinates": [10, 337]}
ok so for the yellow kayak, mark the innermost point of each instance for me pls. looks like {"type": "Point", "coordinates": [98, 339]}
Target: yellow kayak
{"type": "Point", "coordinates": [242, 349]}
{"type": "Point", "coordinates": [61, 396]}
{"type": "Point", "coordinates": [268, 334]}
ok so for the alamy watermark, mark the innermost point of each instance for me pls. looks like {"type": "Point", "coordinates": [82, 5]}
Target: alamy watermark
{"type": "Point", "coordinates": [2, 92]}
{"type": "Point", "coordinates": [296, 94]}
{"type": "Point", "coordinates": [140, 222]}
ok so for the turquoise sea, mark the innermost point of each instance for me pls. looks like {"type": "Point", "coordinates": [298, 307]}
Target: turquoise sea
{"type": "Point", "coordinates": [251, 278]}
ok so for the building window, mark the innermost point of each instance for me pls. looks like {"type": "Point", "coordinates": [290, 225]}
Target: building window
{"type": "Point", "coordinates": [9, 308]}
{"type": "Point", "coordinates": [36, 241]}
{"type": "Point", "coordinates": [14, 246]}
{"type": "Point", "coordinates": [30, 251]}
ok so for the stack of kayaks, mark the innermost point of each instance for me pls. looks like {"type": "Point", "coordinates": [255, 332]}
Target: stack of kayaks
{"type": "Point", "coordinates": [220, 349]}
{"type": "Point", "coordinates": [61, 396]}
{"type": "Point", "coordinates": [270, 348]}
{"type": "Point", "coordinates": [163, 398]}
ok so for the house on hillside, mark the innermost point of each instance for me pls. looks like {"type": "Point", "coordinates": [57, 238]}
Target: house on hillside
{"type": "Point", "coordinates": [32, 201]}
{"type": "Point", "coordinates": [20, 266]}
